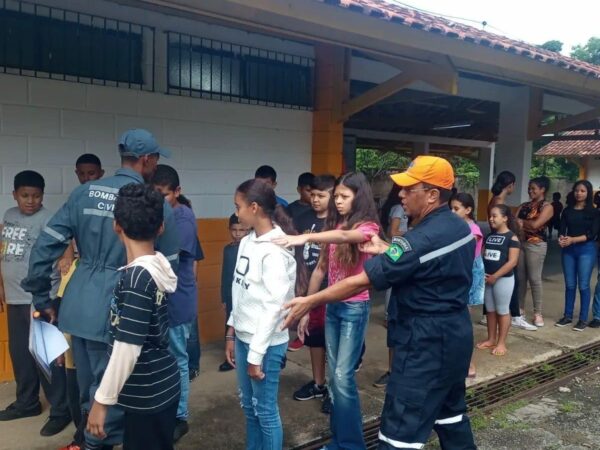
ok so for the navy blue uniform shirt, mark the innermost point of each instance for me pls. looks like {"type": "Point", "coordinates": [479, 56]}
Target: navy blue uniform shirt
{"type": "Point", "coordinates": [429, 268]}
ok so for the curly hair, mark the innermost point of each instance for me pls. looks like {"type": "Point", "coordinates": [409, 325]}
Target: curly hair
{"type": "Point", "coordinates": [139, 211]}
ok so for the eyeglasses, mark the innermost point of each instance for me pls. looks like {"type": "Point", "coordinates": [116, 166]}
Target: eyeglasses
{"type": "Point", "coordinates": [417, 189]}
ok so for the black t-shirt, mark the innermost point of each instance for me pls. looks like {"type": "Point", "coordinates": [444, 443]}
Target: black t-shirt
{"type": "Point", "coordinates": [578, 222]}
{"type": "Point", "coordinates": [138, 316]}
{"type": "Point", "coordinates": [495, 251]}
{"type": "Point", "coordinates": [229, 259]}
{"type": "Point", "coordinates": [297, 209]}
{"type": "Point", "coordinates": [310, 223]}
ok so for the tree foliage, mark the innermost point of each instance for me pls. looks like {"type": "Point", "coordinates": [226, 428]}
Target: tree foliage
{"type": "Point", "coordinates": [589, 52]}
{"type": "Point", "coordinates": [374, 162]}
{"type": "Point", "coordinates": [554, 167]}
{"type": "Point", "coordinates": [553, 45]}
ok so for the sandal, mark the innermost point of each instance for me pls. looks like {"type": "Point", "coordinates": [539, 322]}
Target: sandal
{"type": "Point", "coordinates": [485, 346]}
{"type": "Point", "coordinates": [496, 352]}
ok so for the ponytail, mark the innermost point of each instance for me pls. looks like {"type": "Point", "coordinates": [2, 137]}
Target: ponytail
{"type": "Point", "coordinates": [504, 179]}
{"type": "Point", "coordinates": [183, 200]}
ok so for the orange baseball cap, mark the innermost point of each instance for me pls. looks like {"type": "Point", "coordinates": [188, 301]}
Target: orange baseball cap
{"type": "Point", "coordinates": [427, 169]}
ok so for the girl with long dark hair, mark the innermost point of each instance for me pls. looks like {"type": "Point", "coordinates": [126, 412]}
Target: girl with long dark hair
{"type": "Point", "coordinates": [266, 277]}
{"type": "Point", "coordinates": [578, 230]}
{"type": "Point", "coordinates": [351, 220]}
{"type": "Point", "coordinates": [501, 189]}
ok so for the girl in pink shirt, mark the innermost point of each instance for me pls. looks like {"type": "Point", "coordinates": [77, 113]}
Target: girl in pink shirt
{"type": "Point", "coordinates": [463, 205]}
{"type": "Point", "coordinates": [351, 220]}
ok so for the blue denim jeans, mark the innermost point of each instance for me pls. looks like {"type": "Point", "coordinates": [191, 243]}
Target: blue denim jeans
{"type": "Point", "coordinates": [259, 398]}
{"type": "Point", "coordinates": [596, 304]}
{"type": "Point", "coordinates": [193, 347]}
{"type": "Point", "coordinates": [178, 337]}
{"type": "Point", "coordinates": [345, 327]}
{"type": "Point", "coordinates": [578, 261]}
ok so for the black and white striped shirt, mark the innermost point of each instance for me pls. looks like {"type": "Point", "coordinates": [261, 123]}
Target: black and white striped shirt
{"type": "Point", "coordinates": [139, 316]}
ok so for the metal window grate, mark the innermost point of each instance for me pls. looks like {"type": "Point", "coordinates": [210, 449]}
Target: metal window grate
{"type": "Point", "coordinates": [47, 42]}
{"type": "Point", "coordinates": [206, 68]}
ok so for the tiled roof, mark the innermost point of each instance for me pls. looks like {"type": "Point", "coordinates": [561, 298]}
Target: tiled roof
{"type": "Point", "coordinates": [571, 147]}
{"type": "Point", "coordinates": [386, 10]}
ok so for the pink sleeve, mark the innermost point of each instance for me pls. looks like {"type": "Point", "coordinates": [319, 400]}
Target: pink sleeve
{"type": "Point", "coordinates": [476, 231]}
{"type": "Point", "coordinates": [368, 229]}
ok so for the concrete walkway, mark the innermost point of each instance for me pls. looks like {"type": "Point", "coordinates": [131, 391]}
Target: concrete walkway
{"type": "Point", "coordinates": [217, 421]}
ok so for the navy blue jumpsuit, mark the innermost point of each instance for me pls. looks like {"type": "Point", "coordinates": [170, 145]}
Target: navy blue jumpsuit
{"type": "Point", "coordinates": [430, 331]}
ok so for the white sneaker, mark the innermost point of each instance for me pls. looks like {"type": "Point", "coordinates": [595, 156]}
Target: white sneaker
{"type": "Point", "coordinates": [520, 322]}
{"type": "Point", "coordinates": [483, 321]}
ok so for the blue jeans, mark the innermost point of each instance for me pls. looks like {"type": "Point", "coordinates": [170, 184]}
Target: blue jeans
{"type": "Point", "coordinates": [596, 304]}
{"type": "Point", "coordinates": [578, 262]}
{"type": "Point", "coordinates": [259, 398]}
{"type": "Point", "coordinates": [345, 327]}
{"type": "Point", "coordinates": [193, 347]}
{"type": "Point", "coordinates": [178, 337]}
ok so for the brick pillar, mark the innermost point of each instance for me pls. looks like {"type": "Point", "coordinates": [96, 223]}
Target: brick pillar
{"type": "Point", "coordinates": [331, 89]}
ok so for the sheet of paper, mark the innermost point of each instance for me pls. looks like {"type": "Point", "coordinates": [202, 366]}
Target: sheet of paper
{"type": "Point", "coordinates": [46, 343]}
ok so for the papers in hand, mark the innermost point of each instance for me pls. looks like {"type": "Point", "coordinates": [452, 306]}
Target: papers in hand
{"type": "Point", "coordinates": [46, 343]}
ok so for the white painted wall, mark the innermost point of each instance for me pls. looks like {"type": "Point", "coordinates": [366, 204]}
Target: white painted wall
{"type": "Point", "coordinates": [593, 174]}
{"type": "Point", "coordinates": [46, 124]}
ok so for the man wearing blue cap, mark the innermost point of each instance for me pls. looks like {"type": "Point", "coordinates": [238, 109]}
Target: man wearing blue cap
{"type": "Point", "coordinates": [87, 216]}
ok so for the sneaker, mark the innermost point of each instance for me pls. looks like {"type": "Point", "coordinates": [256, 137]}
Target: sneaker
{"type": "Point", "coordinates": [194, 374]}
{"type": "Point", "coordinates": [295, 345]}
{"type": "Point", "coordinates": [520, 322]}
{"type": "Point", "coordinates": [594, 323]}
{"type": "Point", "coordinates": [12, 413]}
{"type": "Point", "coordinates": [382, 381]}
{"type": "Point", "coordinates": [326, 406]}
{"type": "Point", "coordinates": [358, 367]}
{"type": "Point", "coordinates": [309, 391]}
{"type": "Point", "coordinates": [181, 429]}
{"type": "Point", "coordinates": [563, 322]}
{"type": "Point", "coordinates": [225, 367]}
{"type": "Point", "coordinates": [55, 425]}
{"type": "Point", "coordinates": [483, 321]}
{"type": "Point", "coordinates": [538, 320]}
{"type": "Point", "coordinates": [581, 325]}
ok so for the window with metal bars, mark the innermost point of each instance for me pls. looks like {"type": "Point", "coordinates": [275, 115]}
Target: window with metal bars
{"type": "Point", "coordinates": [54, 43]}
{"type": "Point", "coordinates": [224, 71]}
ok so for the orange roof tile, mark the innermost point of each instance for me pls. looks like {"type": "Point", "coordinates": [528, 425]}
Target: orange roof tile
{"type": "Point", "coordinates": [385, 10]}
{"type": "Point", "coordinates": [572, 147]}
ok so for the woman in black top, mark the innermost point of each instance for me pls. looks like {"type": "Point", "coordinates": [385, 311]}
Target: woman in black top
{"type": "Point", "coordinates": [578, 230]}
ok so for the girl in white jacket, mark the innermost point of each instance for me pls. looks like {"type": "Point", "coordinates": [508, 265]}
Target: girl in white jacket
{"type": "Point", "coordinates": [266, 276]}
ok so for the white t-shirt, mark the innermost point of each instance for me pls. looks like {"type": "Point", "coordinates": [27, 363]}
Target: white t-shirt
{"type": "Point", "coordinates": [397, 212]}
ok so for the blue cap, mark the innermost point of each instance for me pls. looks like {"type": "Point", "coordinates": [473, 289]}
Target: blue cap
{"type": "Point", "coordinates": [139, 142]}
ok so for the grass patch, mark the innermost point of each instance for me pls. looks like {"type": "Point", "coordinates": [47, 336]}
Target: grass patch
{"type": "Point", "coordinates": [567, 407]}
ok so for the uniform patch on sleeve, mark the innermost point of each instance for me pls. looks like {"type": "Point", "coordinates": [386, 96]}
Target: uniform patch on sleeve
{"type": "Point", "coordinates": [402, 243]}
{"type": "Point", "coordinates": [394, 252]}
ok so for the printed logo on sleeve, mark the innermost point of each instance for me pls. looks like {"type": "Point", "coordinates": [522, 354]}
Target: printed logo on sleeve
{"type": "Point", "coordinates": [394, 252]}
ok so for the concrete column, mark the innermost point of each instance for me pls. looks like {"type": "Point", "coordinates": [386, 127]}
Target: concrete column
{"type": "Point", "coordinates": [486, 178]}
{"type": "Point", "coordinates": [420, 148]}
{"type": "Point", "coordinates": [513, 149]}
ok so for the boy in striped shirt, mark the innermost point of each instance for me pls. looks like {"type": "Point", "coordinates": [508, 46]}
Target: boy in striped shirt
{"type": "Point", "coordinates": [141, 376]}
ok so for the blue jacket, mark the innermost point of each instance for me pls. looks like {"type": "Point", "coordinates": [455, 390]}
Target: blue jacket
{"type": "Point", "coordinates": [87, 216]}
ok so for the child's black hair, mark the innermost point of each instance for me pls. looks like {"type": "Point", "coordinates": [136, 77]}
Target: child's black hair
{"type": "Point", "coordinates": [139, 211]}
{"type": "Point", "coordinates": [542, 183]}
{"type": "Point", "coordinates": [263, 195]}
{"type": "Point", "coordinates": [234, 220]}
{"type": "Point", "coordinates": [556, 197]}
{"type": "Point", "coordinates": [467, 201]}
{"type": "Point", "coordinates": [589, 198]}
{"type": "Point", "coordinates": [167, 176]}
{"type": "Point", "coordinates": [305, 179]}
{"type": "Point", "coordinates": [89, 158]}
{"type": "Point", "coordinates": [511, 223]}
{"type": "Point", "coordinates": [504, 179]}
{"type": "Point", "coordinates": [323, 182]}
{"type": "Point", "coordinates": [266, 172]}
{"type": "Point", "coordinates": [29, 178]}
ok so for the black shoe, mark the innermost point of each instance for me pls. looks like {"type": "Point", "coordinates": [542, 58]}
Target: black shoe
{"type": "Point", "coordinates": [225, 367]}
{"type": "Point", "coordinates": [194, 374]}
{"type": "Point", "coordinates": [382, 381]}
{"type": "Point", "coordinates": [581, 325]}
{"type": "Point", "coordinates": [12, 413]}
{"type": "Point", "coordinates": [594, 323]}
{"type": "Point", "coordinates": [55, 425]}
{"type": "Point", "coordinates": [181, 429]}
{"type": "Point", "coordinates": [310, 390]}
{"type": "Point", "coordinates": [563, 322]}
{"type": "Point", "coordinates": [326, 406]}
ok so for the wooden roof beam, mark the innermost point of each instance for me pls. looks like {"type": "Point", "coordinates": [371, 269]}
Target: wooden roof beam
{"type": "Point", "coordinates": [567, 122]}
{"type": "Point", "coordinates": [440, 74]}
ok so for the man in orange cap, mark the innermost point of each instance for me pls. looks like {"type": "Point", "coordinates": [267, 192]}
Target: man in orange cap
{"type": "Point", "coordinates": [429, 327]}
